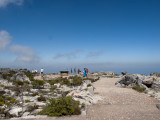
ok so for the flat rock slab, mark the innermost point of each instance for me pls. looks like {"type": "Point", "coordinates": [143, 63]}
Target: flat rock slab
{"type": "Point", "coordinates": [118, 104]}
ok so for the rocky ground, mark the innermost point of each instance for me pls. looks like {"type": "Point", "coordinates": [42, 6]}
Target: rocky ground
{"type": "Point", "coordinates": [124, 97]}
{"type": "Point", "coordinates": [117, 104]}
{"type": "Point", "coordinates": [22, 94]}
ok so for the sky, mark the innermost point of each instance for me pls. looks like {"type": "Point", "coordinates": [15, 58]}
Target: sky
{"type": "Point", "coordinates": [102, 35]}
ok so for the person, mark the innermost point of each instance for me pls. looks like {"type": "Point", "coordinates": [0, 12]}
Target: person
{"type": "Point", "coordinates": [42, 70]}
{"type": "Point", "coordinates": [71, 70]}
{"type": "Point", "coordinates": [74, 70]}
{"type": "Point", "coordinates": [85, 72]}
{"type": "Point", "coordinates": [78, 70]}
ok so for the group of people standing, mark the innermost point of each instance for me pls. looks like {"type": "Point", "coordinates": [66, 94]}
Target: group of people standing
{"type": "Point", "coordinates": [74, 71]}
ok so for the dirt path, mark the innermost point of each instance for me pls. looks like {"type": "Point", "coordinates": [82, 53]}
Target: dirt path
{"type": "Point", "coordinates": [118, 104]}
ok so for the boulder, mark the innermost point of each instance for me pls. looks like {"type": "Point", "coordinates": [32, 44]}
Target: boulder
{"type": "Point", "coordinates": [36, 111]}
{"type": "Point", "coordinates": [25, 114]}
{"type": "Point", "coordinates": [129, 79]}
{"type": "Point", "coordinates": [47, 86]}
{"type": "Point", "coordinates": [87, 81]}
{"type": "Point", "coordinates": [14, 111]}
{"type": "Point", "coordinates": [148, 82]}
{"type": "Point", "coordinates": [158, 106]}
{"type": "Point", "coordinates": [91, 90]}
{"type": "Point", "coordinates": [2, 91]}
{"type": "Point", "coordinates": [19, 77]}
{"type": "Point", "coordinates": [156, 86]}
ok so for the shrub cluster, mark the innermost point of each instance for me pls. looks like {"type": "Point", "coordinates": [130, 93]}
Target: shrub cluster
{"type": "Point", "coordinates": [7, 100]}
{"type": "Point", "coordinates": [38, 84]}
{"type": "Point", "coordinates": [41, 98]}
{"type": "Point", "coordinates": [76, 81]}
{"type": "Point", "coordinates": [61, 106]}
{"type": "Point", "coordinates": [29, 75]}
{"type": "Point", "coordinates": [138, 88]}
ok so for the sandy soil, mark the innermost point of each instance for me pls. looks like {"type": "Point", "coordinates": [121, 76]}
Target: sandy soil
{"type": "Point", "coordinates": [118, 104]}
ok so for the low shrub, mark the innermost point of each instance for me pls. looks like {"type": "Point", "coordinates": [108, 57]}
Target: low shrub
{"type": "Point", "coordinates": [31, 108]}
{"type": "Point", "coordinates": [41, 98]}
{"type": "Point", "coordinates": [76, 80]}
{"type": "Point", "coordinates": [89, 85]}
{"type": "Point", "coordinates": [53, 87]}
{"type": "Point", "coordinates": [1, 103]}
{"type": "Point", "coordinates": [38, 84]}
{"type": "Point", "coordinates": [64, 81]}
{"type": "Point", "coordinates": [138, 88]}
{"type": "Point", "coordinates": [29, 75]}
{"type": "Point", "coordinates": [35, 93]}
{"type": "Point", "coordinates": [18, 82]}
{"type": "Point", "coordinates": [61, 106]}
{"type": "Point", "coordinates": [27, 101]}
{"type": "Point", "coordinates": [83, 105]}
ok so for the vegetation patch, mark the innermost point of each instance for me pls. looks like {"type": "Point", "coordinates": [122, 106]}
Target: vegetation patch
{"type": "Point", "coordinates": [89, 85]}
{"type": "Point", "coordinates": [61, 106]}
{"type": "Point", "coordinates": [38, 84]}
{"type": "Point", "coordinates": [41, 98]}
{"type": "Point", "coordinates": [138, 88]}
{"type": "Point", "coordinates": [75, 81]}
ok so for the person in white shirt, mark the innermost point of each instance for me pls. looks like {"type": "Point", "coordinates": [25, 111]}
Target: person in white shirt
{"type": "Point", "coordinates": [42, 70]}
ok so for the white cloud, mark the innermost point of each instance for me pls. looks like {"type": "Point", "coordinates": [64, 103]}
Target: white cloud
{"type": "Point", "coordinates": [4, 39]}
{"type": "Point", "coordinates": [4, 3]}
{"type": "Point", "coordinates": [25, 54]}
{"type": "Point", "coordinates": [68, 55]}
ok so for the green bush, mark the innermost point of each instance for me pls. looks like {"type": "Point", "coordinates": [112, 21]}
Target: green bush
{"type": "Point", "coordinates": [35, 93]}
{"type": "Point", "coordinates": [89, 85]}
{"type": "Point", "coordinates": [64, 81]}
{"type": "Point", "coordinates": [76, 80]}
{"type": "Point", "coordinates": [27, 101]}
{"type": "Point", "coordinates": [38, 84]}
{"type": "Point", "coordinates": [1, 103]}
{"type": "Point", "coordinates": [41, 98]}
{"type": "Point", "coordinates": [61, 106]}
{"type": "Point", "coordinates": [18, 82]}
{"type": "Point", "coordinates": [53, 87]}
{"type": "Point", "coordinates": [138, 88]}
{"type": "Point", "coordinates": [29, 75]}
{"type": "Point", "coordinates": [83, 105]}
{"type": "Point", "coordinates": [1, 99]}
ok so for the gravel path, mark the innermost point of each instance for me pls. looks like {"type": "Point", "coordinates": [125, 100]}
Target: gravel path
{"type": "Point", "coordinates": [118, 104]}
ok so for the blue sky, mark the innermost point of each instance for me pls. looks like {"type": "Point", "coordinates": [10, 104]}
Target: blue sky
{"type": "Point", "coordinates": [103, 35]}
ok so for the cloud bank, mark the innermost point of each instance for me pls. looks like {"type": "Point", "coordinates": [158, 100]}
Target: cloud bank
{"type": "Point", "coordinates": [4, 3]}
{"type": "Point", "coordinates": [4, 39]}
{"type": "Point", "coordinates": [25, 54]}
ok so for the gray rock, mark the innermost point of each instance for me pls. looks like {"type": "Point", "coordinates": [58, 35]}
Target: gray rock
{"type": "Point", "coordinates": [14, 111]}
{"type": "Point", "coordinates": [156, 86]}
{"type": "Point", "coordinates": [87, 81]}
{"type": "Point", "coordinates": [25, 114]}
{"type": "Point", "coordinates": [131, 78]}
{"type": "Point", "coordinates": [91, 90]}
{"type": "Point", "coordinates": [36, 111]}
{"type": "Point", "coordinates": [19, 77]}
{"type": "Point", "coordinates": [158, 106]}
